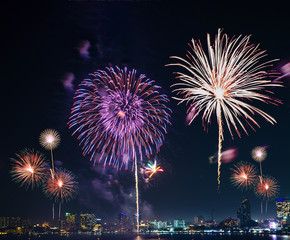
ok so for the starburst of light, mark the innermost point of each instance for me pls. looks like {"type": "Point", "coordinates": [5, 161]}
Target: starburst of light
{"type": "Point", "coordinates": [224, 82]}
{"type": "Point", "coordinates": [29, 168]}
{"type": "Point", "coordinates": [259, 154]}
{"type": "Point", "coordinates": [243, 175]}
{"type": "Point", "coordinates": [119, 116]}
{"type": "Point", "coordinates": [152, 168]}
{"type": "Point", "coordinates": [267, 188]}
{"type": "Point", "coordinates": [49, 139]}
{"type": "Point", "coordinates": [62, 187]}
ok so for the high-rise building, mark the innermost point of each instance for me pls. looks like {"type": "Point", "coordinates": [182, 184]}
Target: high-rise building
{"type": "Point", "coordinates": [10, 222]}
{"type": "Point", "coordinates": [158, 225]}
{"type": "Point", "coordinates": [22, 225]}
{"type": "Point", "coordinates": [125, 223]}
{"type": "Point", "coordinates": [229, 223]}
{"type": "Point", "coordinates": [178, 223]}
{"type": "Point", "coordinates": [244, 212]}
{"type": "Point", "coordinates": [283, 209]}
{"type": "Point", "coordinates": [198, 220]}
{"type": "Point", "coordinates": [70, 221]}
{"type": "Point", "coordinates": [88, 221]}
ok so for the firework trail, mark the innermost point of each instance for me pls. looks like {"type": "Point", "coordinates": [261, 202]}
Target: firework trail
{"type": "Point", "coordinates": [152, 168]}
{"type": "Point", "coordinates": [243, 175]}
{"type": "Point", "coordinates": [223, 83]}
{"type": "Point", "coordinates": [29, 168]}
{"type": "Point", "coordinates": [259, 154]}
{"type": "Point", "coordinates": [50, 139]}
{"type": "Point", "coordinates": [119, 117]}
{"type": "Point", "coordinates": [62, 187]}
{"type": "Point", "coordinates": [266, 189]}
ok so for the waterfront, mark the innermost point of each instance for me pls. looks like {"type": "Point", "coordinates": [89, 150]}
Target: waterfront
{"type": "Point", "coordinates": [154, 237]}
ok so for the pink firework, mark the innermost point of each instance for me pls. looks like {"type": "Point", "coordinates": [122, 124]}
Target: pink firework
{"type": "Point", "coordinates": [152, 168]}
{"type": "Point", "coordinates": [267, 188]}
{"type": "Point", "coordinates": [29, 168]}
{"type": "Point", "coordinates": [244, 175]}
{"type": "Point", "coordinates": [62, 187]}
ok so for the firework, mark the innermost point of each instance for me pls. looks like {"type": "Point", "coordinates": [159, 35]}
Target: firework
{"type": "Point", "coordinates": [223, 83]}
{"type": "Point", "coordinates": [49, 139]}
{"type": "Point", "coordinates": [259, 154]}
{"type": "Point", "coordinates": [29, 168]}
{"type": "Point", "coordinates": [119, 117]}
{"type": "Point", "coordinates": [244, 175]}
{"type": "Point", "coordinates": [62, 187]}
{"type": "Point", "coordinates": [152, 168]}
{"type": "Point", "coordinates": [267, 189]}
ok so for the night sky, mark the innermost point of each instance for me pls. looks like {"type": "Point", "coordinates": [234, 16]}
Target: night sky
{"type": "Point", "coordinates": [41, 51]}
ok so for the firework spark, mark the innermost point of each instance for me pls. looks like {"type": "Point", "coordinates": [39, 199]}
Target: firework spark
{"type": "Point", "coordinates": [119, 117]}
{"type": "Point", "coordinates": [244, 175]}
{"type": "Point", "coordinates": [221, 82]}
{"type": "Point", "coordinates": [49, 139]}
{"type": "Point", "coordinates": [29, 168]}
{"type": "Point", "coordinates": [267, 189]}
{"type": "Point", "coordinates": [62, 187]}
{"type": "Point", "coordinates": [259, 154]}
{"type": "Point", "coordinates": [152, 168]}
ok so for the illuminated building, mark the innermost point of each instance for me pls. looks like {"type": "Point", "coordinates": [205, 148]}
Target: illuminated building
{"type": "Point", "coordinates": [70, 221]}
{"type": "Point", "coordinates": [98, 228]}
{"type": "Point", "coordinates": [198, 220]}
{"type": "Point", "coordinates": [125, 223]}
{"type": "Point", "coordinates": [244, 212]}
{"type": "Point", "coordinates": [158, 225]}
{"type": "Point", "coordinates": [283, 209]}
{"type": "Point", "coordinates": [88, 221]}
{"type": "Point", "coordinates": [229, 223]}
{"type": "Point", "coordinates": [13, 222]}
{"type": "Point", "coordinates": [16, 225]}
{"type": "Point", "coordinates": [178, 223]}
{"type": "Point", "coordinates": [144, 226]}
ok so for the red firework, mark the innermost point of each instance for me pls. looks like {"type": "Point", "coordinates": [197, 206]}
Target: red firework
{"type": "Point", "coordinates": [244, 175]}
{"type": "Point", "coordinates": [29, 168]}
{"type": "Point", "coordinates": [267, 188]}
{"type": "Point", "coordinates": [61, 187]}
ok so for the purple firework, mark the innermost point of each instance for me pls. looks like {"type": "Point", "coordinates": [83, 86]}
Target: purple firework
{"type": "Point", "coordinates": [119, 116]}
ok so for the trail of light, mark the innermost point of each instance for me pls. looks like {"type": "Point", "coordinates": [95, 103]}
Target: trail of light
{"type": "Point", "coordinates": [137, 195]}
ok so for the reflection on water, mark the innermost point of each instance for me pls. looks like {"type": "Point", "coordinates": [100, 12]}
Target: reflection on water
{"type": "Point", "coordinates": [155, 237]}
{"type": "Point", "coordinates": [211, 237]}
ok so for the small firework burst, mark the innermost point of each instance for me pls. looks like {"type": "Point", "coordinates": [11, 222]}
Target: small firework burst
{"type": "Point", "coordinates": [259, 154]}
{"type": "Point", "coordinates": [29, 168]}
{"type": "Point", "coordinates": [152, 168]}
{"type": "Point", "coordinates": [267, 188]}
{"type": "Point", "coordinates": [62, 186]}
{"type": "Point", "coordinates": [49, 139]}
{"type": "Point", "coordinates": [244, 175]}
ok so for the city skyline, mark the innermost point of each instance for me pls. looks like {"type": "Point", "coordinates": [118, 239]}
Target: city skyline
{"type": "Point", "coordinates": [67, 40]}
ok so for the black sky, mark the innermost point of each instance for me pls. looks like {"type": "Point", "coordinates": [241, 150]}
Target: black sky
{"type": "Point", "coordinates": [40, 46]}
